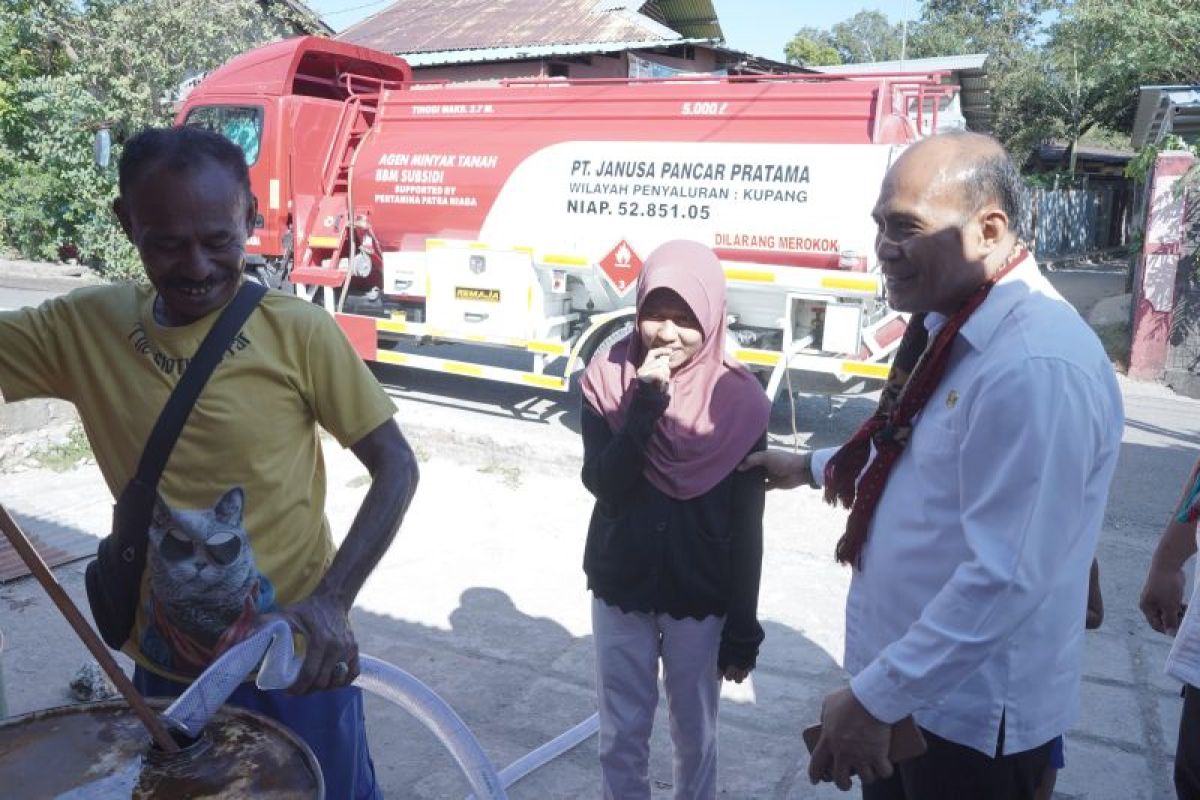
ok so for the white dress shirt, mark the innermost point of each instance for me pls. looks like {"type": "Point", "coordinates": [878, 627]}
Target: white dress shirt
{"type": "Point", "coordinates": [970, 604]}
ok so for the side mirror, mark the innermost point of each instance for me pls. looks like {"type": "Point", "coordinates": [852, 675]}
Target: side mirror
{"type": "Point", "coordinates": [102, 148]}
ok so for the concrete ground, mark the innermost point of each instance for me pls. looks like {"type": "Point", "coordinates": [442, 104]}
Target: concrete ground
{"type": "Point", "coordinates": [1086, 287]}
{"type": "Point", "coordinates": [483, 598]}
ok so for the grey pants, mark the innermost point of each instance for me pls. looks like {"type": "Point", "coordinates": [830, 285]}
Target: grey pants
{"type": "Point", "coordinates": [628, 647]}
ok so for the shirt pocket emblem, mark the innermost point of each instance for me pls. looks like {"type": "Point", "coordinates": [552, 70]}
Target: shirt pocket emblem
{"type": "Point", "coordinates": [952, 399]}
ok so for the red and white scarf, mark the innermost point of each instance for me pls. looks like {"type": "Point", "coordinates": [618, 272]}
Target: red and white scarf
{"type": "Point", "coordinates": [916, 371]}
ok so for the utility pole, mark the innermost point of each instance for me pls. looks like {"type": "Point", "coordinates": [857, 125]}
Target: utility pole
{"type": "Point", "coordinates": [904, 34]}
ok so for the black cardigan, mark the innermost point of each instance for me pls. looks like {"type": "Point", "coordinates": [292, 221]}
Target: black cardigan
{"type": "Point", "coordinates": [649, 552]}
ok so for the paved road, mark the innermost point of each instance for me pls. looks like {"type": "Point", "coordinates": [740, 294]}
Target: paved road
{"type": "Point", "coordinates": [482, 597]}
{"type": "Point", "coordinates": [1084, 288]}
{"type": "Point", "coordinates": [16, 292]}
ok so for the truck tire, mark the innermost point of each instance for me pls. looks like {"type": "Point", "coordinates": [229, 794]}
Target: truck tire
{"type": "Point", "coordinates": [614, 332]}
{"type": "Point", "coordinates": [619, 330]}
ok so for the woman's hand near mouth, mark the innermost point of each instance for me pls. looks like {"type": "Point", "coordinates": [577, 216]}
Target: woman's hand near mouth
{"type": "Point", "coordinates": [656, 368]}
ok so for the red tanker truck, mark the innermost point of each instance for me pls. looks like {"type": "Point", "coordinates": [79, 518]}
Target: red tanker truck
{"type": "Point", "coordinates": [517, 216]}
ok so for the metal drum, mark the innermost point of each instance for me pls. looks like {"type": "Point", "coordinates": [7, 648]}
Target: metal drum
{"type": "Point", "coordinates": [101, 750]}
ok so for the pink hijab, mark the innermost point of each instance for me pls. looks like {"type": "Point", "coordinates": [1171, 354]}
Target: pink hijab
{"type": "Point", "coordinates": [717, 410]}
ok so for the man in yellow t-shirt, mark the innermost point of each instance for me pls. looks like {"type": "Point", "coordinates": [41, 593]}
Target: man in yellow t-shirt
{"type": "Point", "coordinates": [239, 528]}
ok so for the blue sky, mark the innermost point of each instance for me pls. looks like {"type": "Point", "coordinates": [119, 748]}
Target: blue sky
{"type": "Point", "coordinates": [761, 27]}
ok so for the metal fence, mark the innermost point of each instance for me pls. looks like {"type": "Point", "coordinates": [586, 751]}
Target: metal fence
{"type": "Point", "coordinates": [1062, 223]}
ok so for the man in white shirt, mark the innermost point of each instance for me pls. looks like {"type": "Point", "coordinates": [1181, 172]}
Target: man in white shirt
{"type": "Point", "coordinates": [977, 493]}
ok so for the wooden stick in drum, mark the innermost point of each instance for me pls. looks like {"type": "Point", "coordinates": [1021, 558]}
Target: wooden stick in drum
{"type": "Point", "coordinates": [83, 630]}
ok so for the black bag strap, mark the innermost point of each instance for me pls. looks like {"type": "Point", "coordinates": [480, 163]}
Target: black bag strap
{"type": "Point", "coordinates": [179, 405]}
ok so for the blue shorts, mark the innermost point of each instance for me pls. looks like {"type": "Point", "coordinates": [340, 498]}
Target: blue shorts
{"type": "Point", "coordinates": [1058, 755]}
{"type": "Point", "coordinates": [330, 722]}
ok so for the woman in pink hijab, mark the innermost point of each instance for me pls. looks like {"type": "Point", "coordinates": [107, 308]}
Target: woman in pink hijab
{"type": "Point", "coordinates": [674, 549]}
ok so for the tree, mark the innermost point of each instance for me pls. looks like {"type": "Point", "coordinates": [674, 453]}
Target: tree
{"type": "Point", "coordinates": [865, 37]}
{"type": "Point", "coordinates": [1082, 81]}
{"type": "Point", "coordinates": [1010, 32]}
{"type": "Point", "coordinates": [1009, 25]}
{"type": "Point", "coordinates": [69, 67]}
{"type": "Point", "coordinates": [1064, 70]}
{"type": "Point", "coordinates": [1124, 44]}
{"type": "Point", "coordinates": [810, 47]}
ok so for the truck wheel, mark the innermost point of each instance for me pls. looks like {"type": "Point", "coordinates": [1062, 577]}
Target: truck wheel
{"type": "Point", "coordinates": [607, 339]}
{"type": "Point", "coordinates": [616, 331]}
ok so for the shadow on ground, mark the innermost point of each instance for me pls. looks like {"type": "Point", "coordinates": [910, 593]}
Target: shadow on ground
{"type": "Point", "coordinates": [518, 681]}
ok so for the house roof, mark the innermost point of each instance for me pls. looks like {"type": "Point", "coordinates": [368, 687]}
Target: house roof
{"type": "Point", "coordinates": [696, 18]}
{"type": "Point", "coordinates": [969, 70]}
{"type": "Point", "coordinates": [742, 61]}
{"type": "Point", "coordinates": [1057, 151]}
{"type": "Point", "coordinates": [437, 26]}
{"type": "Point", "coordinates": [476, 55]}
{"type": "Point", "coordinates": [1164, 110]}
{"type": "Point", "coordinates": [1097, 163]}
{"type": "Point", "coordinates": [966, 63]}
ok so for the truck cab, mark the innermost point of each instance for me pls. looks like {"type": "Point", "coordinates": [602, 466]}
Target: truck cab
{"type": "Point", "coordinates": [280, 103]}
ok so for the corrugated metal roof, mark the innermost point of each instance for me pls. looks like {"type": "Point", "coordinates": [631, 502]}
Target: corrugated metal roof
{"type": "Point", "coordinates": [1164, 110]}
{"type": "Point", "coordinates": [66, 517]}
{"type": "Point", "coordinates": [1056, 151]}
{"type": "Point", "coordinates": [486, 54]}
{"type": "Point", "coordinates": [422, 26]}
{"type": "Point", "coordinates": [970, 72]}
{"type": "Point", "coordinates": [689, 17]}
{"type": "Point", "coordinates": [56, 543]}
{"type": "Point", "coordinates": [974, 61]}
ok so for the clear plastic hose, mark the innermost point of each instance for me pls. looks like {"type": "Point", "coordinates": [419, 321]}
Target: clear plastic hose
{"type": "Point", "coordinates": [548, 752]}
{"type": "Point", "coordinates": [397, 686]}
{"type": "Point", "coordinates": [271, 650]}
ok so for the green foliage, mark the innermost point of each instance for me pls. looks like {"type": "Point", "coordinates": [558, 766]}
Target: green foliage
{"type": "Point", "coordinates": [1130, 43]}
{"type": "Point", "coordinates": [1006, 29]}
{"type": "Point", "coordinates": [1086, 74]}
{"type": "Point", "coordinates": [808, 48]}
{"type": "Point", "coordinates": [1012, 33]}
{"type": "Point", "coordinates": [1105, 137]}
{"type": "Point", "coordinates": [1045, 180]}
{"type": "Point", "coordinates": [1142, 164]}
{"type": "Point", "coordinates": [866, 36]}
{"type": "Point", "coordinates": [61, 199]}
{"type": "Point", "coordinates": [64, 456]}
{"type": "Point", "coordinates": [69, 67]}
{"type": "Point", "coordinates": [1059, 70]}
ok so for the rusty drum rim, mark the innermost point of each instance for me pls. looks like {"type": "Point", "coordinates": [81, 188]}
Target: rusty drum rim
{"type": "Point", "coordinates": [160, 704]}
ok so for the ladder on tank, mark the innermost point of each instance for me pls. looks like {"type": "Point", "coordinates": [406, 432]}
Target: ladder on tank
{"type": "Point", "coordinates": [329, 222]}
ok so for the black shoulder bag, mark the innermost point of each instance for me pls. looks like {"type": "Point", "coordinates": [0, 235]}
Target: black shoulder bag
{"type": "Point", "coordinates": [114, 579]}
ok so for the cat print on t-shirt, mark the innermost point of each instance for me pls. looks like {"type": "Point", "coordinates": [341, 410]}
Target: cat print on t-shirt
{"type": "Point", "coordinates": [205, 589]}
